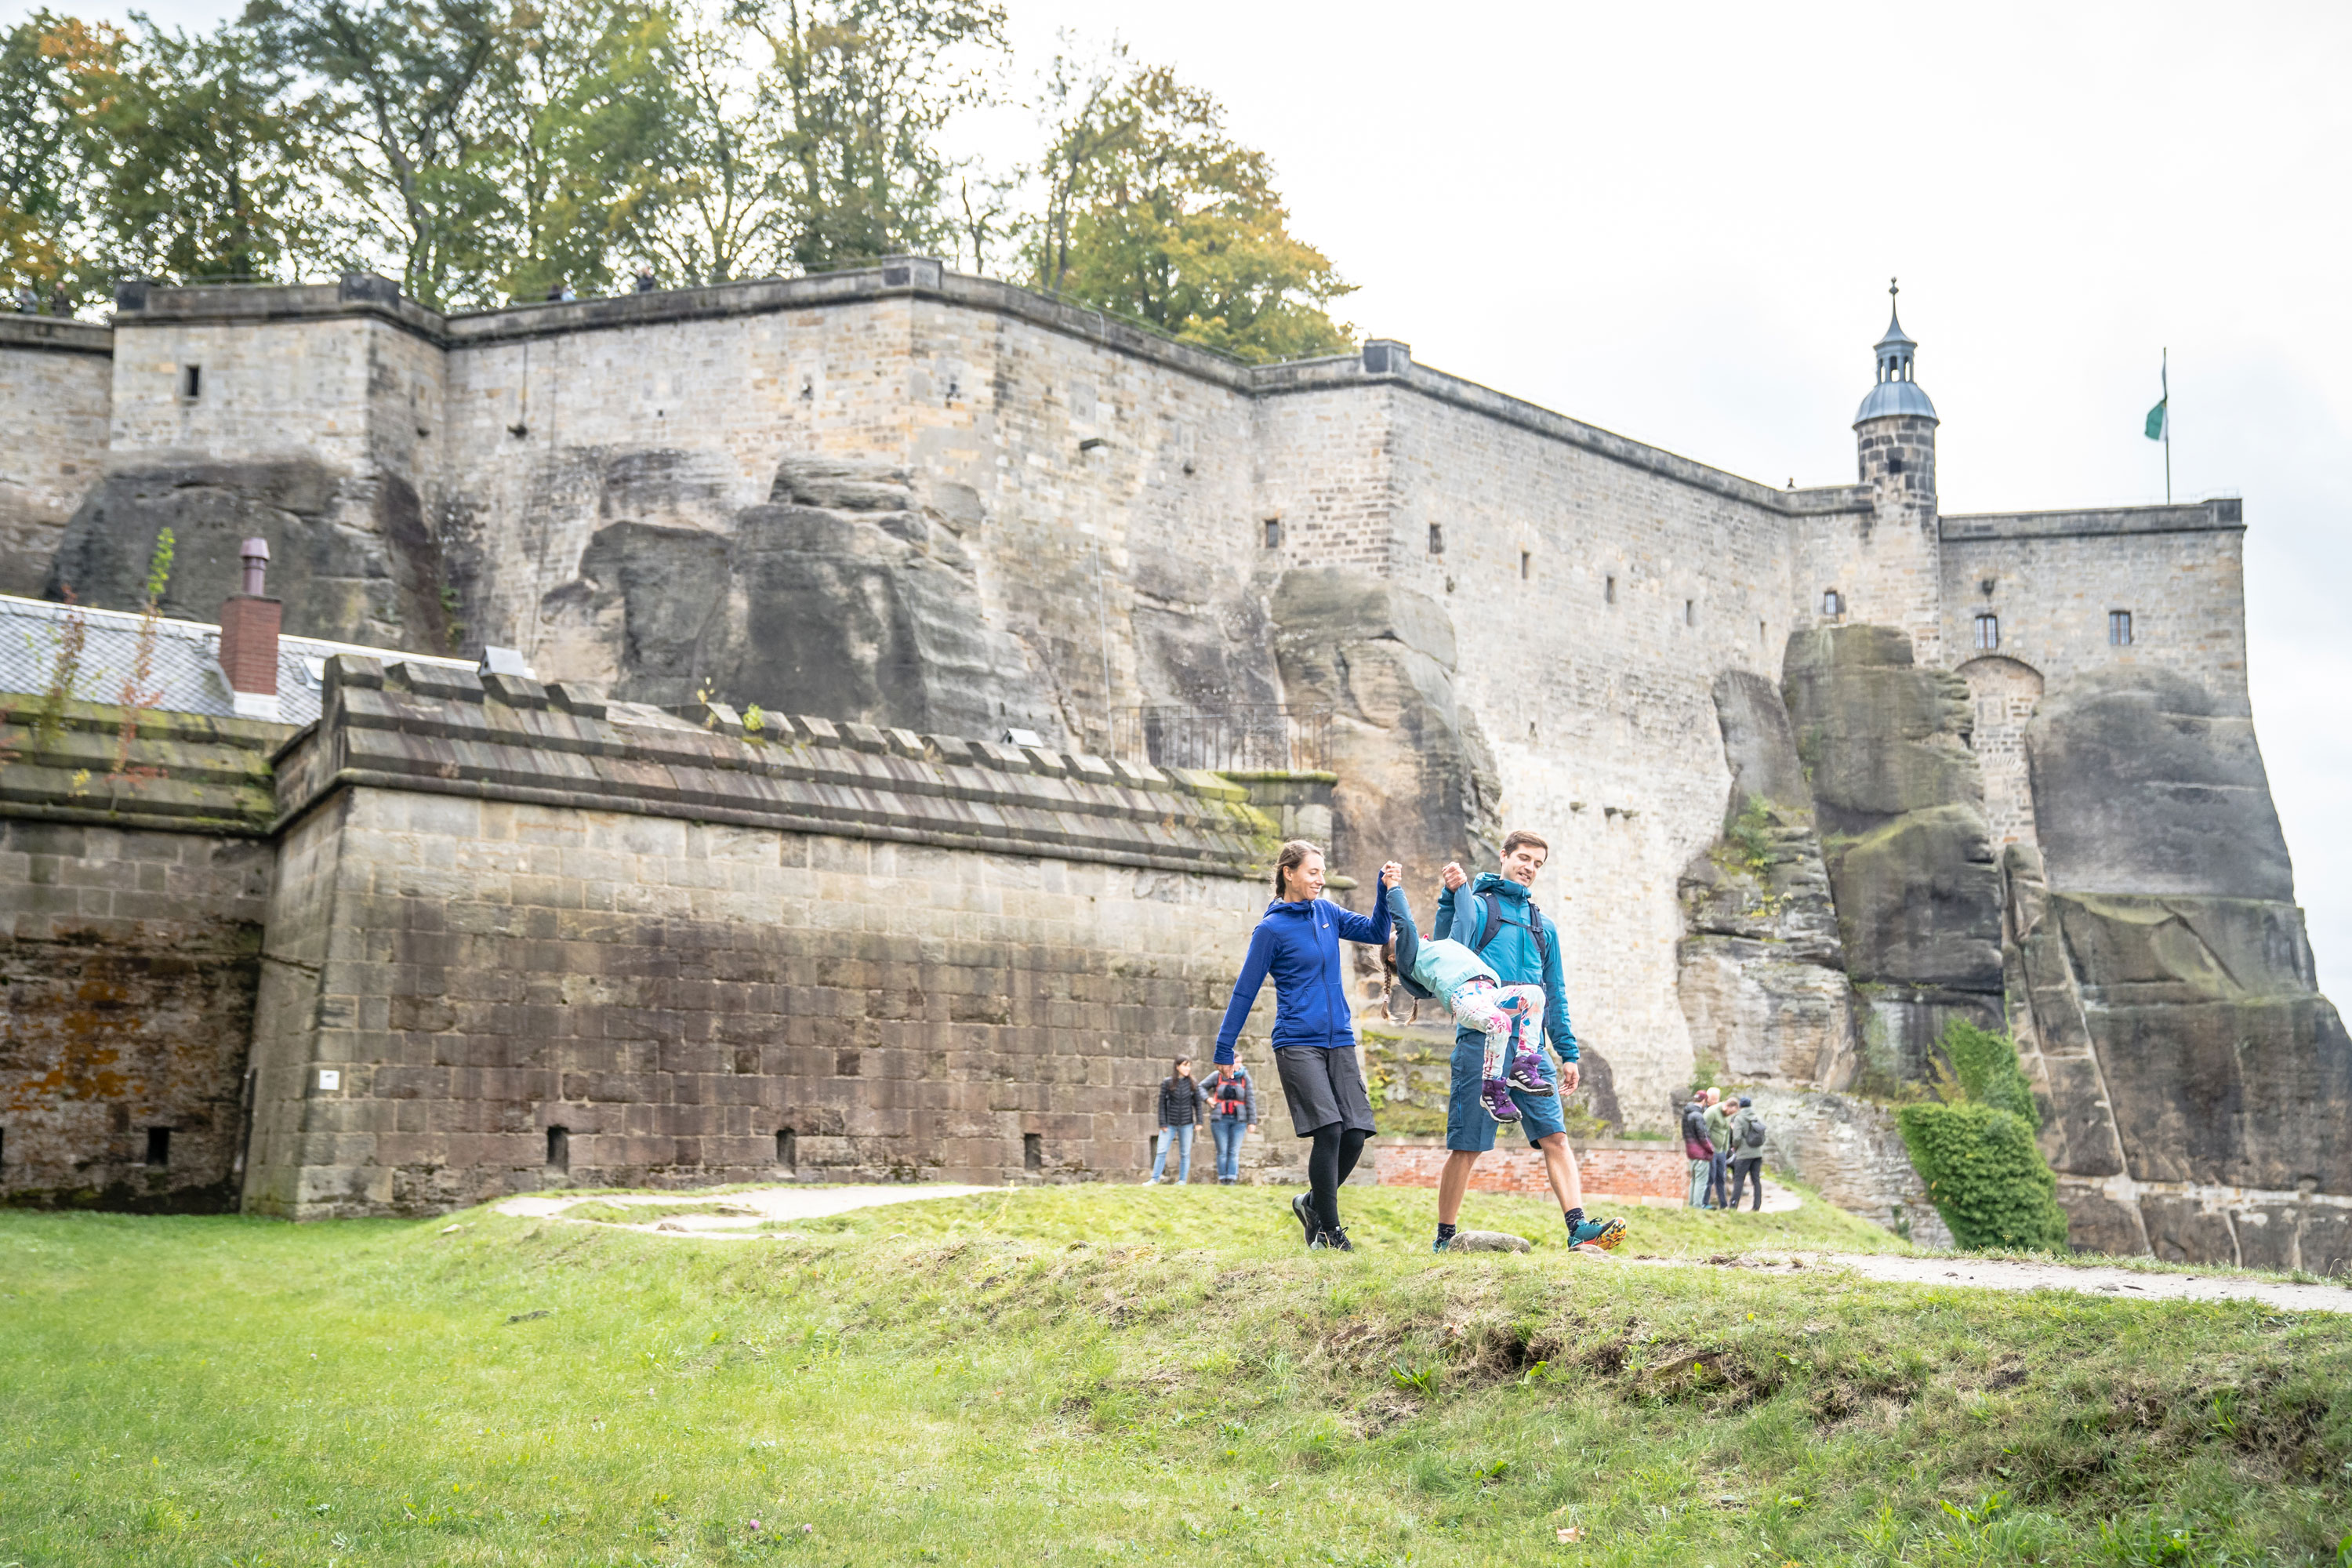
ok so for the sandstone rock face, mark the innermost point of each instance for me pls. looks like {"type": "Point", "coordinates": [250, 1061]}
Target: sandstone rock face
{"type": "Point", "coordinates": [351, 560]}
{"type": "Point", "coordinates": [1901, 813]}
{"type": "Point", "coordinates": [842, 595]}
{"type": "Point", "coordinates": [1416, 780]}
{"type": "Point", "coordinates": [1761, 975]}
{"type": "Point", "coordinates": [1851, 1151]}
{"type": "Point", "coordinates": [2163, 989]}
{"type": "Point", "coordinates": [2140, 786]}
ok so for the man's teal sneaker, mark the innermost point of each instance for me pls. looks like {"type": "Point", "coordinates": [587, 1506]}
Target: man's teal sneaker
{"type": "Point", "coordinates": [1603, 1234]}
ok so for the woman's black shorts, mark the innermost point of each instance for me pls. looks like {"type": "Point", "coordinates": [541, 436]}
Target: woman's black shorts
{"type": "Point", "coordinates": [1324, 1087]}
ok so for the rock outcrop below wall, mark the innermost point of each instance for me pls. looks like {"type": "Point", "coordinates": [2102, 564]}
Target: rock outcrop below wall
{"type": "Point", "coordinates": [843, 593]}
{"type": "Point", "coordinates": [340, 579]}
{"type": "Point", "coordinates": [1415, 779]}
{"type": "Point", "coordinates": [521, 937]}
{"type": "Point", "coordinates": [1896, 789]}
{"type": "Point", "coordinates": [2163, 988]}
{"type": "Point", "coordinates": [1763, 978]}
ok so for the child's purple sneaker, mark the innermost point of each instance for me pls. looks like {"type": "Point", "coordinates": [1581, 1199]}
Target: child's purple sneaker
{"type": "Point", "coordinates": [1526, 1072]}
{"type": "Point", "coordinates": [1497, 1098]}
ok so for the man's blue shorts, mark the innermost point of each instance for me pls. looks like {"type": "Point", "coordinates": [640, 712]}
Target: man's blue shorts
{"type": "Point", "coordinates": [1468, 1128]}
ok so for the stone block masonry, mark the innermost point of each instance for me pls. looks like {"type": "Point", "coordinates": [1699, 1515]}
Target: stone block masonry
{"type": "Point", "coordinates": [56, 384]}
{"type": "Point", "coordinates": [518, 941]}
{"type": "Point", "coordinates": [130, 936]}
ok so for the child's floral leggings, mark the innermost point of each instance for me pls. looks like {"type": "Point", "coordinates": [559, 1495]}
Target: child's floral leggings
{"type": "Point", "coordinates": [1483, 1006]}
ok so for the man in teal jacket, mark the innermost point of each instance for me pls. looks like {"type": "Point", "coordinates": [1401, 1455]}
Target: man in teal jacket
{"type": "Point", "coordinates": [1496, 918]}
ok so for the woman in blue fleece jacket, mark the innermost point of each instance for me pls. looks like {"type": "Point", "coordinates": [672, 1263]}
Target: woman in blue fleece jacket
{"type": "Point", "coordinates": [1298, 943]}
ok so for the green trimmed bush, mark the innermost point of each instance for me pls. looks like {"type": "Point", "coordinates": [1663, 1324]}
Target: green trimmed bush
{"type": "Point", "coordinates": [1976, 1151]}
{"type": "Point", "coordinates": [1986, 1066]}
{"type": "Point", "coordinates": [1985, 1176]}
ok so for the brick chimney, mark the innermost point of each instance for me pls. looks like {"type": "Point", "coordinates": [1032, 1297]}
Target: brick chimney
{"type": "Point", "coordinates": [248, 639]}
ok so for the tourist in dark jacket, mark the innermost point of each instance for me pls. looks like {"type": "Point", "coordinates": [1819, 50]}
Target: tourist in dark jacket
{"type": "Point", "coordinates": [1181, 1105]}
{"type": "Point", "coordinates": [1747, 1151]}
{"type": "Point", "coordinates": [1297, 945]}
{"type": "Point", "coordinates": [1697, 1148]}
{"type": "Point", "coordinates": [1233, 1111]}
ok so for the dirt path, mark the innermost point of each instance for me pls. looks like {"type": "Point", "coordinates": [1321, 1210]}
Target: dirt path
{"type": "Point", "coordinates": [2002, 1274]}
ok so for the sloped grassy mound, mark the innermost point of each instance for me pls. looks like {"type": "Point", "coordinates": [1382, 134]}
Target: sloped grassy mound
{"type": "Point", "coordinates": [1033, 1379]}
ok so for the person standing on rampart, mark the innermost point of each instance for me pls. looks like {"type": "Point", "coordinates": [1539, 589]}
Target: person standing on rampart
{"type": "Point", "coordinates": [1497, 921]}
{"type": "Point", "coordinates": [1297, 945]}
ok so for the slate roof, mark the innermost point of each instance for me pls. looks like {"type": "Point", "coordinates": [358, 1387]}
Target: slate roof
{"type": "Point", "coordinates": [186, 668]}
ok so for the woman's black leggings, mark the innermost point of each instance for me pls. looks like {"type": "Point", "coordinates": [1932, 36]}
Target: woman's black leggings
{"type": "Point", "coordinates": [1329, 1159]}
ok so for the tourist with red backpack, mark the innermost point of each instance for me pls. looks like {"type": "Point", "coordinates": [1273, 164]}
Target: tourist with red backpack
{"type": "Point", "coordinates": [1233, 1111]}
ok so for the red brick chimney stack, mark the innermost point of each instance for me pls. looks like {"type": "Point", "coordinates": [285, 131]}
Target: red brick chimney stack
{"type": "Point", "coordinates": [248, 639]}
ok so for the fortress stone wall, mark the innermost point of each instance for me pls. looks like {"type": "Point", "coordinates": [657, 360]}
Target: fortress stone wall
{"type": "Point", "coordinates": [56, 386]}
{"type": "Point", "coordinates": [913, 499]}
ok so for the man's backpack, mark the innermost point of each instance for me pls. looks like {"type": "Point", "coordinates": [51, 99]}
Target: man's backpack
{"type": "Point", "coordinates": [1752, 1133]}
{"type": "Point", "coordinates": [1492, 927]}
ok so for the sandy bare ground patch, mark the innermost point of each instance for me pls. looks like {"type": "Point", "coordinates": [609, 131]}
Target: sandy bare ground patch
{"type": "Point", "coordinates": [736, 1214]}
{"type": "Point", "coordinates": [2008, 1274]}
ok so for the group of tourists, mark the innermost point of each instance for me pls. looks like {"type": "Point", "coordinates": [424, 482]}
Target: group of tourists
{"type": "Point", "coordinates": [1720, 1133]}
{"type": "Point", "coordinates": [1492, 961]}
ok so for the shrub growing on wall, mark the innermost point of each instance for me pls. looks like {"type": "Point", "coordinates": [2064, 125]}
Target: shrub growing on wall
{"type": "Point", "coordinates": [1975, 1149]}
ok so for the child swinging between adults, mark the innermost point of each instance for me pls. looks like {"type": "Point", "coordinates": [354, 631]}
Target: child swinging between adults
{"type": "Point", "coordinates": [1298, 943]}
{"type": "Point", "coordinates": [1516, 948]}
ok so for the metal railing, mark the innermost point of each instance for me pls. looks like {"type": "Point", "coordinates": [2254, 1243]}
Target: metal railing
{"type": "Point", "coordinates": [1259, 737]}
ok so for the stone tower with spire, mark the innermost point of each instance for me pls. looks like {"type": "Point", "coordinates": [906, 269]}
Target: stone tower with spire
{"type": "Point", "coordinates": [1896, 573]}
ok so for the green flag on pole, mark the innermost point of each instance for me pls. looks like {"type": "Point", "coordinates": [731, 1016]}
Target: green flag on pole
{"type": "Point", "coordinates": [2155, 420]}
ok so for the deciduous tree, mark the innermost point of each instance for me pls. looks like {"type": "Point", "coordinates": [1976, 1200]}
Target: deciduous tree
{"type": "Point", "coordinates": [1154, 212]}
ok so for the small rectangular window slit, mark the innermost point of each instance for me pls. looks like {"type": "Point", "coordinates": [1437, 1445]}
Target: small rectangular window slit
{"type": "Point", "coordinates": [159, 1148]}
{"type": "Point", "coordinates": [788, 1149]}
{"type": "Point", "coordinates": [1437, 538]}
{"type": "Point", "coordinates": [1033, 1150]}
{"type": "Point", "coordinates": [559, 1149]}
{"type": "Point", "coordinates": [1609, 590]}
{"type": "Point", "coordinates": [192, 381]}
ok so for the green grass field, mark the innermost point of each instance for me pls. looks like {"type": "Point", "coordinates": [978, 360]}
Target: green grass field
{"type": "Point", "coordinates": [1104, 1374]}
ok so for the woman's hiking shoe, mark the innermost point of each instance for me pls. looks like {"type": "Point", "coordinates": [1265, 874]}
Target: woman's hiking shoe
{"type": "Point", "coordinates": [1526, 1072]}
{"type": "Point", "coordinates": [1302, 1209]}
{"type": "Point", "coordinates": [1496, 1097]}
{"type": "Point", "coordinates": [1337, 1240]}
{"type": "Point", "coordinates": [1603, 1234]}
{"type": "Point", "coordinates": [1440, 1244]}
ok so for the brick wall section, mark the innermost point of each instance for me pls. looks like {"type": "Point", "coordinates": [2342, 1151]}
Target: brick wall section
{"type": "Point", "coordinates": [131, 937]}
{"type": "Point", "coordinates": [1612, 1168]}
{"type": "Point", "coordinates": [493, 919]}
{"type": "Point", "coordinates": [56, 381]}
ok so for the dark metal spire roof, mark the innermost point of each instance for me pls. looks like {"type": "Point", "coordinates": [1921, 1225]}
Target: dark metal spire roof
{"type": "Point", "coordinates": [1896, 394]}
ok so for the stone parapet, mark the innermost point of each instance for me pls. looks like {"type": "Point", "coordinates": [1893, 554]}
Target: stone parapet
{"type": "Point", "coordinates": [55, 334]}
{"type": "Point", "coordinates": [2225, 514]}
{"type": "Point", "coordinates": [443, 731]}
{"type": "Point", "coordinates": [186, 772]}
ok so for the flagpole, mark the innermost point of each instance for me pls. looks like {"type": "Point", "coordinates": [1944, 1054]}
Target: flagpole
{"type": "Point", "coordinates": [2165, 380]}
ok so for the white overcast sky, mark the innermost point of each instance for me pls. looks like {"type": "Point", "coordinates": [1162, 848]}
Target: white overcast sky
{"type": "Point", "coordinates": [1678, 221]}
